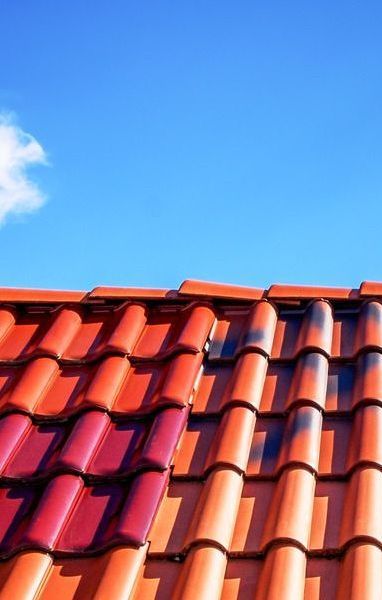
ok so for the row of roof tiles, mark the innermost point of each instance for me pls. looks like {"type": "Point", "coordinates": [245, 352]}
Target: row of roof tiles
{"type": "Point", "coordinates": [43, 387]}
{"type": "Point", "coordinates": [190, 288]}
{"type": "Point", "coordinates": [239, 487]}
{"type": "Point", "coordinates": [46, 389]}
{"type": "Point", "coordinates": [66, 515]}
{"type": "Point", "coordinates": [91, 444]}
{"type": "Point", "coordinates": [74, 334]}
{"type": "Point", "coordinates": [207, 573]}
{"type": "Point", "coordinates": [94, 445]}
{"type": "Point", "coordinates": [263, 447]}
{"type": "Point", "coordinates": [245, 518]}
{"type": "Point", "coordinates": [144, 333]}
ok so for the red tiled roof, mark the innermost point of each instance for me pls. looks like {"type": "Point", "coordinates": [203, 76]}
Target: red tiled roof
{"type": "Point", "coordinates": [214, 441]}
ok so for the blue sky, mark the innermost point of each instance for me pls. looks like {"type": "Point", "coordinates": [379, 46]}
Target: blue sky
{"type": "Point", "coordinates": [236, 142]}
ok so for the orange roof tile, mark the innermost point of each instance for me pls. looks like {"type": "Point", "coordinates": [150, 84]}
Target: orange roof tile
{"type": "Point", "coordinates": [35, 295]}
{"type": "Point", "coordinates": [212, 442]}
{"type": "Point", "coordinates": [208, 289]}
{"type": "Point", "coordinates": [130, 292]}
{"type": "Point", "coordinates": [279, 291]}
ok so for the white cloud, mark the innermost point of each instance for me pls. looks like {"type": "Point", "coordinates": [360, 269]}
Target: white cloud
{"type": "Point", "coordinates": [18, 151]}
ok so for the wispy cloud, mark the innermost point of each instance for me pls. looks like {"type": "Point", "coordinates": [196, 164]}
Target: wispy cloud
{"type": "Point", "coordinates": [18, 151]}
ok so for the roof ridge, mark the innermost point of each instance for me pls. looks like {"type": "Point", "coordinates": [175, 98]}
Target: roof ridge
{"type": "Point", "coordinates": [193, 288]}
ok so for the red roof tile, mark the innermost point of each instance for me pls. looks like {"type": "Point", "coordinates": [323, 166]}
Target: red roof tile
{"type": "Point", "coordinates": [40, 296]}
{"type": "Point", "coordinates": [130, 292]}
{"type": "Point", "coordinates": [219, 290]}
{"type": "Point", "coordinates": [299, 292]}
{"type": "Point", "coordinates": [212, 442]}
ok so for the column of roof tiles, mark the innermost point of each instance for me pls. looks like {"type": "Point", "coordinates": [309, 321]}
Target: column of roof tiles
{"type": "Point", "coordinates": [196, 519]}
{"type": "Point", "coordinates": [277, 496]}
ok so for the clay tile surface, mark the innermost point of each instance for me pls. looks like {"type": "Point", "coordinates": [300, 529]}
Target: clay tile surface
{"type": "Point", "coordinates": [371, 288]}
{"type": "Point", "coordinates": [122, 292]}
{"type": "Point", "coordinates": [306, 291]}
{"type": "Point", "coordinates": [192, 287]}
{"type": "Point", "coordinates": [216, 442]}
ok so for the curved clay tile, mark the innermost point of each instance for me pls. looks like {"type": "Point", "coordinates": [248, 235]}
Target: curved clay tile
{"type": "Point", "coordinates": [283, 575]}
{"type": "Point", "coordinates": [259, 329]}
{"type": "Point", "coordinates": [309, 381]}
{"type": "Point", "coordinates": [24, 574]}
{"type": "Point", "coordinates": [215, 514]}
{"type": "Point", "coordinates": [233, 439]}
{"type": "Point", "coordinates": [302, 437]}
{"type": "Point", "coordinates": [247, 381]}
{"type": "Point", "coordinates": [7, 321]}
{"type": "Point", "coordinates": [63, 328]}
{"type": "Point", "coordinates": [360, 573]}
{"type": "Point", "coordinates": [272, 512]}
{"type": "Point", "coordinates": [366, 437]}
{"type": "Point", "coordinates": [291, 508]}
{"type": "Point", "coordinates": [317, 328]}
{"type": "Point", "coordinates": [131, 320]}
{"type": "Point", "coordinates": [368, 380]}
{"type": "Point", "coordinates": [105, 384]}
{"type": "Point", "coordinates": [361, 516]}
{"type": "Point", "coordinates": [23, 331]}
{"type": "Point", "coordinates": [369, 327]}
{"type": "Point", "coordinates": [30, 386]}
{"type": "Point", "coordinates": [202, 574]}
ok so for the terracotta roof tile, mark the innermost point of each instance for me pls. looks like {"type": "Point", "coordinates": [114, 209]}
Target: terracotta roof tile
{"type": "Point", "coordinates": [192, 287]}
{"type": "Point", "coordinates": [371, 288]}
{"type": "Point", "coordinates": [211, 442]}
{"type": "Point", "coordinates": [129, 292]}
{"type": "Point", "coordinates": [282, 291]}
{"type": "Point", "coordinates": [40, 296]}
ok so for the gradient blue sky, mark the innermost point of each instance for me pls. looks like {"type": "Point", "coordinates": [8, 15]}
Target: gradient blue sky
{"type": "Point", "coordinates": [230, 141]}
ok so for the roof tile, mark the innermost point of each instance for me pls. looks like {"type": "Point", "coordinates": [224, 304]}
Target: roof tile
{"type": "Point", "coordinates": [282, 291]}
{"type": "Point", "coordinates": [216, 441]}
{"type": "Point", "coordinates": [192, 287]}
{"type": "Point", "coordinates": [371, 288]}
{"type": "Point", "coordinates": [24, 295]}
{"type": "Point", "coordinates": [111, 292]}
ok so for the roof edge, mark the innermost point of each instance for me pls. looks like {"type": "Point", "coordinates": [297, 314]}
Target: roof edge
{"type": "Point", "coordinates": [281, 291]}
{"type": "Point", "coordinates": [9, 294]}
{"type": "Point", "coordinates": [110, 292]}
{"type": "Point", "coordinates": [371, 288]}
{"type": "Point", "coordinates": [195, 287]}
